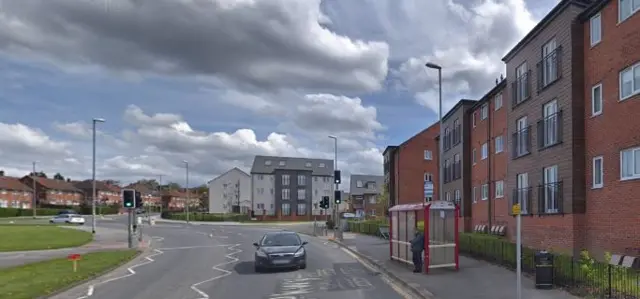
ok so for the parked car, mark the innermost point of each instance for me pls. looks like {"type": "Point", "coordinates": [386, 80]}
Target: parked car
{"type": "Point", "coordinates": [63, 212]}
{"type": "Point", "coordinates": [282, 249]}
{"type": "Point", "coordinates": [68, 218]}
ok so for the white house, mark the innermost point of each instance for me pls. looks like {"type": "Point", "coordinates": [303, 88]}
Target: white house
{"type": "Point", "coordinates": [230, 190]}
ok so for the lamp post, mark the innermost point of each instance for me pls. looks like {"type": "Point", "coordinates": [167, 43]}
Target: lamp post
{"type": "Point", "coordinates": [34, 200]}
{"type": "Point", "coordinates": [337, 230]}
{"type": "Point", "coordinates": [441, 143]}
{"type": "Point", "coordinates": [93, 194]}
{"type": "Point", "coordinates": [186, 163]}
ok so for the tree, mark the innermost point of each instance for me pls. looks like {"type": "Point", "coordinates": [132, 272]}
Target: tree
{"type": "Point", "coordinates": [68, 180]}
{"type": "Point", "coordinates": [383, 197]}
{"type": "Point", "coordinates": [112, 182]}
{"type": "Point", "coordinates": [173, 186]}
{"type": "Point", "coordinates": [1, 172]}
{"type": "Point", "coordinates": [58, 177]}
{"type": "Point", "coordinates": [39, 174]}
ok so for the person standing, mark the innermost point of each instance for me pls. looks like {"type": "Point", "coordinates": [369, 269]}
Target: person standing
{"type": "Point", "coordinates": [417, 246]}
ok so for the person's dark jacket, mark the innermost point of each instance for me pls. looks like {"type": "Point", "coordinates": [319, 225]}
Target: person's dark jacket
{"type": "Point", "coordinates": [417, 244]}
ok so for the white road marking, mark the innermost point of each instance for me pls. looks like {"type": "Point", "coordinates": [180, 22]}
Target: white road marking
{"type": "Point", "coordinates": [226, 273]}
{"type": "Point", "coordinates": [193, 247]}
{"type": "Point", "coordinates": [212, 235]}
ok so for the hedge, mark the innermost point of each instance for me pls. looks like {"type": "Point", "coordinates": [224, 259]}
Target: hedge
{"type": "Point", "coordinates": [205, 217]}
{"type": "Point", "coordinates": [13, 212]}
{"type": "Point", "coordinates": [369, 227]}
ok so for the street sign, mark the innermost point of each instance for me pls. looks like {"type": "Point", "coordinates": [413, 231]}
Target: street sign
{"type": "Point", "coordinates": [428, 188]}
{"type": "Point", "coordinates": [74, 258]}
{"type": "Point", "coordinates": [515, 209]}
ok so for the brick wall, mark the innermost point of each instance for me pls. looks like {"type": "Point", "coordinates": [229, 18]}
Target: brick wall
{"type": "Point", "coordinates": [411, 166]}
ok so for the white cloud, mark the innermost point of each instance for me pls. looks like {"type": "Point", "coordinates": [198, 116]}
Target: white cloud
{"type": "Point", "coordinates": [78, 129]}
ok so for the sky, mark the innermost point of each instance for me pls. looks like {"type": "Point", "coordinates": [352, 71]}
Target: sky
{"type": "Point", "coordinates": [216, 82]}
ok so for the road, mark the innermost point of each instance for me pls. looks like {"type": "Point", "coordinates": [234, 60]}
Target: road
{"type": "Point", "coordinates": [208, 261]}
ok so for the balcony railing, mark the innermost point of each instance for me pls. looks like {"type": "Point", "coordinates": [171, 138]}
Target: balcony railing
{"type": "Point", "coordinates": [550, 130]}
{"type": "Point", "coordinates": [521, 143]}
{"type": "Point", "coordinates": [521, 89]}
{"type": "Point", "coordinates": [549, 68]}
{"type": "Point", "coordinates": [523, 197]}
{"type": "Point", "coordinates": [550, 199]}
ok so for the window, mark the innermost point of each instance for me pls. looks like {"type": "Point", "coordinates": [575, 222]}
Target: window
{"type": "Point", "coordinates": [473, 119]}
{"type": "Point", "coordinates": [522, 192]}
{"type": "Point", "coordinates": [551, 189]}
{"type": "Point", "coordinates": [268, 162]}
{"type": "Point", "coordinates": [428, 199]}
{"type": "Point", "coordinates": [627, 8]}
{"type": "Point", "coordinates": [499, 144]}
{"type": "Point", "coordinates": [597, 173]}
{"type": "Point", "coordinates": [521, 84]}
{"type": "Point", "coordinates": [497, 102]}
{"type": "Point", "coordinates": [286, 209]}
{"type": "Point", "coordinates": [473, 156]}
{"type": "Point", "coordinates": [302, 194]}
{"type": "Point", "coordinates": [302, 180]}
{"type": "Point", "coordinates": [428, 155]}
{"type": "Point", "coordinates": [428, 177]}
{"type": "Point", "coordinates": [447, 196]}
{"type": "Point", "coordinates": [551, 123]}
{"type": "Point", "coordinates": [630, 163]}
{"type": "Point", "coordinates": [321, 165]}
{"type": "Point", "coordinates": [474, 193]}
{"type": "Point", "coordinates": [285, 180]}
{"type": "Point", "coordinates": [499, 189]}
{"type": "Point", "coordinates": [372, 212]}
{"type": "Point", "coordinates": [308, 164]}
{"type": "Point", "coordinates": [359, 184]}
{"type": "Point", "coordinates": [596, 100]}
{"type": "Point", "coordinates": [282, 163]}
{"type": "Point", "coordinates": [484, 111]}
{"type": "Point", "coordinates": [456, 196]}
{"type": "Point", "coordinates": [484, 151]}
{"type": "Point", "coordinates": [302, 209]}
{"type": "Point", "coordinates": [549, 63]}
{"type": "Point", "coordinates": [522, 137]}
{"type": "Point", "coordinates": [485, 191]}
{"type": "Point", "coordinates": [630, 81]}
{"type": "Point", "coordinates": [373, 199]}
{"type": "Point", "coordinates": [457, 131]}
{"type": "Point", "coordinates": [285, 194]}
{"type": "Point", "coordinates": [596, 29]}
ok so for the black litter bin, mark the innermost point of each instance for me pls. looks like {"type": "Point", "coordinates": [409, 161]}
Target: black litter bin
{"type": "Point", "coordinates": [544, 270]}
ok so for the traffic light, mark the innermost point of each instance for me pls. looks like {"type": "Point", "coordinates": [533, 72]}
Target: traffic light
{"type": "Point", "coordinates": [139, 203]}
{"type": "Point", "coordinates": [325, 202]}
{"type": "Point", "coordinates": [336, 175]}
{"type": "Point", "coordinates": [337, 197]}
{"type": "Point", "coordinates": [129, 198]}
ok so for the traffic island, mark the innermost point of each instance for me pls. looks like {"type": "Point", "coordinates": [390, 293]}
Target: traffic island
{"type": "Point", "coordinates": [45, 278]}
{"type": "Point", "coordinates": [36, 237]}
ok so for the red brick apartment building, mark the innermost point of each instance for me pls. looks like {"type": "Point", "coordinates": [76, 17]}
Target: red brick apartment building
{"type": "Point", "coordinates": [15, 194]}
{"type": "Point", "coordinates": [546, 125]}
{"type": "Point", "coordinates": [612, 126]}
{"type": "Point", "coordinates": [150, 197]}
{"type": "Point", "coordinates": [488, 136]}
{"type": "Point", "coordinates": [105, 194]}
{"type": "Point", "coordinates": [55, 192]}
{"type": "Point", "coordinates": [408, 165]}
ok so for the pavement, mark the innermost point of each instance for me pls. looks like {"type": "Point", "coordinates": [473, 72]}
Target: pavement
{"type": "Point", "coordinates": [481, 280]}
{"type": "Point", "coordinates": [216, 261]}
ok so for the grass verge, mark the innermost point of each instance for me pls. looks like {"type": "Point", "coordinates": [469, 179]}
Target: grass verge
{"type": "Point", "coordinates": [39, 237]}
{"type": "Point", "coordinates": [47, 277]}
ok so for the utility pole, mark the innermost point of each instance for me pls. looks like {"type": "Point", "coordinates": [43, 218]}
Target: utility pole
{"type": "Point", "coordinates": [187, 188]}
{"type": "Point", "coordinates": [93, 176]}
{"type": "Point", "coordinates": [35, 194]}
{"type": "Point", "coordinates": [441, 143]}
{"type": "Point", "coordinates": [338, 229]}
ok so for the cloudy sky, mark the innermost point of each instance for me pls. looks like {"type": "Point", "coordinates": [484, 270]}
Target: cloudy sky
{"type": "Point", "coordinates": [216, 82]}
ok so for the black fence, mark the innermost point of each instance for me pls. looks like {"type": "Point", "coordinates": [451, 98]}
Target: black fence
{"type": "Point", "coordinates": [582, 276]}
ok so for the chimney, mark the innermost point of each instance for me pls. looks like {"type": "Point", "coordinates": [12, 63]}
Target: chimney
{"type": "Point", "coordinates": [496, 81]}
{"type": "Point", "coordinates": [501, 77]}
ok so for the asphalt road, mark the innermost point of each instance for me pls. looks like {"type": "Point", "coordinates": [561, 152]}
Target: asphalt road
{"type": "Point", "coordinates": [206, 261]}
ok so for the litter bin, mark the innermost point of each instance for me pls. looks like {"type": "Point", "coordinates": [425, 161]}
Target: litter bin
{"type": "Point", "coordinates": [544, 270]}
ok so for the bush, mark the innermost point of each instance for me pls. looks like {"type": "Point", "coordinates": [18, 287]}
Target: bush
{"type": "Point", "coordinates": [369, 227]}
{"type": "Point", "coordinates": [205, 217]}
{"type": "Point", "coordinates": [51, 211]}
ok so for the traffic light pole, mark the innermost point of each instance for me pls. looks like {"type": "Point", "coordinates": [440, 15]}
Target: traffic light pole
{"type": "Point", "coordinates": [130, 227]}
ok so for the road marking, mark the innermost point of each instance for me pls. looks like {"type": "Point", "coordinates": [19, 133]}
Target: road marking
{"type": "Point", "coordinates": [226, 273]}
{"type": "Point", "coordinates": [194, 247]}
{"type": "Point", "coordinates": [212, 235]}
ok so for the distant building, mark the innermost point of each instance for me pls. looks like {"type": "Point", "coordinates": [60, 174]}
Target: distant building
{"type": "Point", "coordinates": [105, 194]}
{"type": "Point", "coordinates": [55, 192]}
{"type": "Point", "coordinates": [230, 192]}
{"type": "Point", "coordinates": [15, 194]}
{"type": "Point", "coordinates": [288, 188]}
{"type": "Point", "coordinates": [365, 193]}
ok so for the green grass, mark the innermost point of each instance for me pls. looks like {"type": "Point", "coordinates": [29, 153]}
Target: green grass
{"type": "Point", "coordinates": [39, 237]}
{"type": "Point", "coordinates": [43, 278]}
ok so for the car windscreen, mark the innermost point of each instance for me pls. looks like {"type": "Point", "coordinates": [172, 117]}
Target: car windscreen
{"type": "Point", "coordinates": [281, 240]}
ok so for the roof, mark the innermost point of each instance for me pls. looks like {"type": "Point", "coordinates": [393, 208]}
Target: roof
{"type": "Point", "coordinates": [555, 12]}
{"type": "Point", "coordinates": [431, 127]}
{"type": "Point", "coordinates": [485, 98]}
{"type": "Point", "coordinates": [56, 184]}
{"type": "Point", "coordinates": [593, 9]}
{"type": "Point", "coordinates": [88, 184]}
{"type": "Point", "coordinates": [14, 184]}
{"type": "Point", "coordinates": [228, 171]}
{"type": "Point", "coordinates": [174, 193]}
{"type": "Point", "coordinates": [461, 103]}
{"type": "Point", "coordinates": [260, 165]}
{"type": "Point", "coordinates": [144, 189]}
{"type": "Point", "coordinates": [355, 190]}
{"type": "Point", "coordinates": [389, 148]}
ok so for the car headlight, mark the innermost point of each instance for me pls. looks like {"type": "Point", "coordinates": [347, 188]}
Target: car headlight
{"type": "Point", "coordinates": [261, 254]}
{"type": "Point", "coordinates": [300, 252]}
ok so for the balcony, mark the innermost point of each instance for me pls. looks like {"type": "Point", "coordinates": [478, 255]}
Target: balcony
{"type": "Point", "coordinates": [523, 197]}
{"type": "Point", "coordinates": [521, 143]}
{"type": "Point", "coordinates": [521, 89]}
{"type": "Point", "coordinates": [549, 68]}
{"type": "Point", "coordinates": [550, 199]}
{"type": "Point", "coordinates": [550, 130]}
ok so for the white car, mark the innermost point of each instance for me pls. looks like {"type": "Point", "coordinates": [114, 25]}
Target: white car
{"type": "Point", "coordinates": [68, 218]}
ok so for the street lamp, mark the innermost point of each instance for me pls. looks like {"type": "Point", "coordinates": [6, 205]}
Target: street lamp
{"type": "Point", "coordinates": [337, 186]}
{"type": "Point", "coordinates": [441, 143]}
{"type": "Point", "coordinates": [187, 187]}
{"type": "Point", "coordinates": [35, 194]}
{"type": "Point", "coordinates": [93, 176]}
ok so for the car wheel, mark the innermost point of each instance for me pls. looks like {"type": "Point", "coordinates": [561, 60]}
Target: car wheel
{"type": "Point", "coordinates": [67, 222]}
{"type": "Point", "coordinates": [51, 221]}
{"type": "Point", "coordinates": [303, 266]}
{"type": "Point", "coordinates": [257, 268]}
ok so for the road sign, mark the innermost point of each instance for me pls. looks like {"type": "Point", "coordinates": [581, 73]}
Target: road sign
{"type": "Point", "coordinates": [74, 258]}
{"type": "Point", "coordinates": [515, 209]}
{"type": "Point", "coordinates": [428, 188]}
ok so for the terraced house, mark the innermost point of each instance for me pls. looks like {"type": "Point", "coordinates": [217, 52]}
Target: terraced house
{"type": "Point", "coordinates": [54, 192]}
{"type": "Point", "coordinates": [546, 126]}
{"type": "Point", "coordinates": [105, 194]}
{"type": "Point", "coordinates": [15, 194]}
